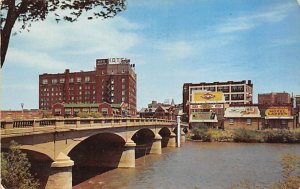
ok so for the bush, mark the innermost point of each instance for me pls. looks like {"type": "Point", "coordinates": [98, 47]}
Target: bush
{"type": "Point", "coordinates": [201, 133]}
{"type": "Point", "coordinates": [290, 164]}
{"type": "Point", "coordinates": [221, 135]}
{"type": "Point", "coordinates": [15, 169]}
{"type": "Point", "coordinates": [244, 135]}
{"type": "Point", "coordinates": [281, 136]}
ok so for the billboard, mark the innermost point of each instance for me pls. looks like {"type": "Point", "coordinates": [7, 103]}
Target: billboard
{"type": "Point", "coordinates": [277, 112]}
{"type": "Point", "coordinates": [207, 97]}
{"type": "Point", "coordinates": [242, 111]}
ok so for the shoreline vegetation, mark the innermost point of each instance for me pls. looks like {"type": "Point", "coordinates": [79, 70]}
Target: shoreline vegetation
{"type": "Point", "coordinates": [205, 134]}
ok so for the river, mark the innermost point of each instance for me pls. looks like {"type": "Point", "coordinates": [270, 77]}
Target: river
{"type": "Point", "coordinates": [199, 165]}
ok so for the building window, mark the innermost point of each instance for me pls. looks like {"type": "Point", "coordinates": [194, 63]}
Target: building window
{"type": "Point", "coordinates": [123, 80]}
{"type": "Point", "coordinates": [112, 81]}
{"type": "Point", "coordinates": [112, 87]}
{"type": "Point", "coordinates": [62, 80]}
{"type": "Point", "coordinates": [112, 93]}
{"type": "Point", "coordinates": [123, 86]}
{"type": "Point", "coordinates": [71, 80]}
{"type": "Point", "coordinates": [104, 111]}
{"type": "Point", "coordinates": [123, 71]}
{"type": "Point", "coordinates": [112, 100]}
{"type": "Point", "coordinates": [248, 121]}
{"type": "Point", "coordinates": [45, 81]}
{"type": "Point", "coordinates": [78, 79]}
{"type": "Point", "coordinates": [123, 92]}
{"type": "Point", "coordinates": [54, 81]}
{"type": "Point", "coordinates": [57, 112]}
{"type": "Point", "coordinates": [231, 121]}
{"type": "Point", "coordinates": [123, 99]}
{"type": "Point", "coordinates": [283, 122]}
{"type": "Point", "coordinates": [87, 79]}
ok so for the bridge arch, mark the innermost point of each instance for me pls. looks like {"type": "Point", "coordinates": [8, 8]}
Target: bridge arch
{"type": "Point", "coordinates": [96, 154]}
{"type": "Point", "coordinates": [78, 140]}
{"type": "Point", "coordinates": [143, 136]}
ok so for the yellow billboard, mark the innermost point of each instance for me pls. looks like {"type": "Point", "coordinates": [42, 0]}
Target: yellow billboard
{"type": "Point", "coordinates": [277, 112]}
{"type": "Point", "coordinates": [204, 96]}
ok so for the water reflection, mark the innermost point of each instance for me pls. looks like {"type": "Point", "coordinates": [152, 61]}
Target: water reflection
{"type": "Point", "coordinates": [199, 165]}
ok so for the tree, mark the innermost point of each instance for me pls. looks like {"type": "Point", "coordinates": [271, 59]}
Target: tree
{"type": "Point", "coordinates": [28, 11]}
{"type": "Point", "coordinates": [15, 169]}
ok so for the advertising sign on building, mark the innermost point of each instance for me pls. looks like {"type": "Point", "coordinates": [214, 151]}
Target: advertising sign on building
{"type": "Point", "coordinates": [207, 97]}
{"type": "Point", "coordinates": [248, 111]}
{"type": "Point", "coordinates": [277, 112]}
{"type": "Point", "coordinates": [207, 106]}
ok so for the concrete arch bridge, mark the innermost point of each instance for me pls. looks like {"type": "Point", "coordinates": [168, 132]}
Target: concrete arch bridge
{"type": "Point", "coordinates": [55, 146]}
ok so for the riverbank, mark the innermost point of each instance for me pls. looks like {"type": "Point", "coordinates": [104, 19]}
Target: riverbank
{"type": "Point", "coordinates": [245, 135]}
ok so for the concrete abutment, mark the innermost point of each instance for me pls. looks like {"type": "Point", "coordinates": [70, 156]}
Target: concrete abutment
{"type": "Point", "coordinates": [60, 175]}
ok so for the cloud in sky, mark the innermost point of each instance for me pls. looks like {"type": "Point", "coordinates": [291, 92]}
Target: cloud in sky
{"type": "Point", "coordinates": [242, 23]}
{"type": "Point", "coordinates": [35, 59]}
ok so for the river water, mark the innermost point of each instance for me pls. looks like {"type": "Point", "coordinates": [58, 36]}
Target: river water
{"type": "Point", "coordinates": [199, 165]}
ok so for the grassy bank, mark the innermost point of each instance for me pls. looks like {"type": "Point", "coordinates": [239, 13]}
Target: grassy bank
{"type": "Point", "coordinates": [245, 135]}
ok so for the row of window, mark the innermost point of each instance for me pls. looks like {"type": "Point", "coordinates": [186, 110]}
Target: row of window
{"type": "Point", "coordinates": [248, 121]}
{"type": "Point", "coordinates": [221, 88]}
{"type": "Point", "coordinates": [62, 80]}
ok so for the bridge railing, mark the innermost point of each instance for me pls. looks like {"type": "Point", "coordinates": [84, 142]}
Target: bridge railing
{"type": "Point", "coordinates": [9, 127]}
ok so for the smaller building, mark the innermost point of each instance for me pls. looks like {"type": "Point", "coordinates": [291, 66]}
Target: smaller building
{"type": "Point", "coordinates": [160, 110]}
{"type": "Point", "coordinates": [277, 116]}
{"type": "Point", "coordinates": [206, 109]}
{"type": "Point", "coordinates": [73, 109]}
{"type": "Point", "coordinates": [242, 116]}
{"type": "Point", "coordinates": [23, 114]}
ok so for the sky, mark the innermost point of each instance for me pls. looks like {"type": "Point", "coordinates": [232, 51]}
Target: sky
{"type": "Point", "coordinates": [171, 42]}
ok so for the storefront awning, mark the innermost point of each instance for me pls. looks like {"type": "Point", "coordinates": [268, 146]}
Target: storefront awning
{"type": "Point", "coordinates": [282, 117]}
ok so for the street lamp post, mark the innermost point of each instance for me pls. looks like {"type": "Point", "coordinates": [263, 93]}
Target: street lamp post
{"type": "Point", "coordinates": [178, 131]}
{"type": "Point", "coordinates": [22, 106]}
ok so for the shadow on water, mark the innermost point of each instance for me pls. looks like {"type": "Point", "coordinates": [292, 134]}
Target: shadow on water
{"type": "Point", "coordinates": [83, 173]}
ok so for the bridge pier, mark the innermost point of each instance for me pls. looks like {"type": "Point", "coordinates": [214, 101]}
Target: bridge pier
{"type": "Point", "coordinates": [182, 137]}
{"type": "Point", "coordinates": [128, 155]}
{"type": "Point", "coordinates": [172, 140]}
{"type": "Point", "coordinates": [156, 145]}
{"type": "Point", "coordinates": [60, 175]}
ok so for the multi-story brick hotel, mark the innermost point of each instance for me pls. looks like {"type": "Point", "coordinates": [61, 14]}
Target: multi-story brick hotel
{"type": "Point", "coordinates": [113, 81]}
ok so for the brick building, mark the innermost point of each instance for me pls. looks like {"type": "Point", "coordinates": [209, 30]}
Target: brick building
{"type": "Point", "coordinates": [113, 81]}
{"type": "Point", "coordinates": [274, 98]}
{"type": "Point", "coordinates": [235, 92]}
{"type": "Point", "coordinates": [22, 114]}
{"type": "Point", "coordinates": [247, 116]}
{"type": "Point", "coordinates": [277, 116]}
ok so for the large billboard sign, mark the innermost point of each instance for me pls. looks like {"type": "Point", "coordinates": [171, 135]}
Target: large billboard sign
{"type": "Point", "coordinates": [277, 112]}
{"type": "Point", "coordinates": [242, 111]}
{"type": "Point", "coordinates": [207, 97]}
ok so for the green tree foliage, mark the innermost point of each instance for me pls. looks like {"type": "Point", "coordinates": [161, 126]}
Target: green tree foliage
{"type": "Point", "coordinates": [28, 11]}
{"type": "Point", "coordinates": [15, 169]}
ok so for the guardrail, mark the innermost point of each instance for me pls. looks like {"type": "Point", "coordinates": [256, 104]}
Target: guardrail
{"type": "Point", "coordinates": [13, 127]}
